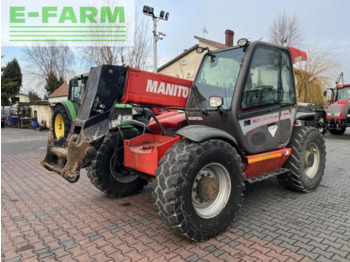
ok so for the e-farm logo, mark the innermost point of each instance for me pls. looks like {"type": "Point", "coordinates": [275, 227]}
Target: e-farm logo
{"type": "Point", "coordinates": [69, 22]}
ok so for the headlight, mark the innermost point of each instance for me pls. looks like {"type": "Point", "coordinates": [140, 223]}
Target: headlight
{"type": "Point", "coordinates": [334, 114]}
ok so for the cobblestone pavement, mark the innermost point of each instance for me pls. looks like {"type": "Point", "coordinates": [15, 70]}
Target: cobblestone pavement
{"type": "Point", "coordinates": [45, 218]}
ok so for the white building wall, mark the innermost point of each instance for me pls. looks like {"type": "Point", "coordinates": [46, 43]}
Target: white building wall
{"type": "Point", "coordinates": [54, 100]}
{"type": "Point", "coordinates": [43, 112]}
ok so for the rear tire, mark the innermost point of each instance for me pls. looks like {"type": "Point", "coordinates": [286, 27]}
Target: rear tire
{"type": "Point", "coordinates": [199, 188]}
{"type": "Point", "coordinates": [107, 172]}
{"type": "Point", "coordinates": [60, 122]}
{"type": "Point", "coordinates": [307, 162]}
{"type": "Point", "coordinates": [337, 132]}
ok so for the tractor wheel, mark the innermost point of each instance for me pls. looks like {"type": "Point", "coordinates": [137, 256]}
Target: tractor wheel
{"type": "Point", "coordinates": [60, 122]}
{"type": "Point", "coordinates": [337, 132]}
{"type": "Point", "coordinates": [307, 162]}
{"type": "Point", "coordinates": [199, 188]}
{"type": "Point", "coordinates": [107, 171]}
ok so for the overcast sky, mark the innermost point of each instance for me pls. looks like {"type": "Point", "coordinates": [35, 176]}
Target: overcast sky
{"type": "Point", "coordinates": [323, 22]}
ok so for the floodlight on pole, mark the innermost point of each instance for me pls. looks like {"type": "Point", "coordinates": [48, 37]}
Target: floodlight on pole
{"type": "Point", "coordinates": [147, 10]}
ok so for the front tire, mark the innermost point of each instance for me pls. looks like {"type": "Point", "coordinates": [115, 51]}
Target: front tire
{"type": "Point", "coordinates": [60, 122]}
{"type": "Point", "coordinates": [199, 188]}
{"type": "Point", "coordinates": [107, 172]}
{"type": "Point", "coordinates": [307, 162]}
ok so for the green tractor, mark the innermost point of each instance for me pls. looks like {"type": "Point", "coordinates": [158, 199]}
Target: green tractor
{"type": "Point", "coordinates": [66, 111]}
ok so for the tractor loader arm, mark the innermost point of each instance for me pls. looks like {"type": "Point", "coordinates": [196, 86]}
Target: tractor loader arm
{"type": "Point", "coordinates": [108, 85]}
{"type": "Point", "coordinates": [67, 156]}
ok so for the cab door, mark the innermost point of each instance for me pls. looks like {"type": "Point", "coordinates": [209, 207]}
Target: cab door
{"type": "Point", "coordinates": [265, 113]}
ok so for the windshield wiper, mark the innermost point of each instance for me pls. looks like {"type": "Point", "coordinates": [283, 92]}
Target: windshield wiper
{"type": "Point", "coordinates": [196, 93]}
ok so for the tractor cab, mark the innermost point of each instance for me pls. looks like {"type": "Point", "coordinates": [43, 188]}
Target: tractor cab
{"type": "Point", "coordinates": [342, 93]}
{"type": "Point", "coordinates": [77, 87]}
{"type": "Point", "coordinates": [247, 91]}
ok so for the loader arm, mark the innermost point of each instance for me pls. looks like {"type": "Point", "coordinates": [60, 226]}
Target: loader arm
{"type": "Point", "coordinates": [107, 86]}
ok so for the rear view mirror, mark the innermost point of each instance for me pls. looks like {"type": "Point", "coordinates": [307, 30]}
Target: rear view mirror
{"type": "Point", "coordinates": [216, 101]}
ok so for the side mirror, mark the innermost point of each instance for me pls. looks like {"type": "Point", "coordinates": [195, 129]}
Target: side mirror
{"type": "Point", "coordinates": [215, 101]}
{"type": "Point", "coordinates": [213, 61]}
{"type": "Point", "coordinates": [74, 82]}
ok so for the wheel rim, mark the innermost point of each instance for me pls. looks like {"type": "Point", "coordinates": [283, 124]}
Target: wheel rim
{"type": "Point", "coordinates": [118, 171]}
{"type": "Point", "coordinates": [312, 160]}
{"type": "Point", "coordinates": [211, 190]}
{"type": "Point", "coordinates": [59, 126]}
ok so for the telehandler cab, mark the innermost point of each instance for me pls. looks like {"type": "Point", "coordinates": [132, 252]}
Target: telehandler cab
{"type": "Point", "coordinates": [238, 125]}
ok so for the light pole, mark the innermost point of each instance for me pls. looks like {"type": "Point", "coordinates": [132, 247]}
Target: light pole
{"type": "Point", "coordinates": [156, 35]}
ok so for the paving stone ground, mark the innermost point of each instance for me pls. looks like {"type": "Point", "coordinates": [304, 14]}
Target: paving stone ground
{"type": "Point", "coordinates": [45, 218]}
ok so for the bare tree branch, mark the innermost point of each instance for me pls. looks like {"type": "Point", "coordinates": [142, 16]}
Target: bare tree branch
{"type": "Point", "coordinates": [41, 60]}
{"type": "Point", "coordinates": [136, 56]}
{"type": "Point", "coordinates": [316, 74]}
{"type": "Point", "coordinates": [285, 30]}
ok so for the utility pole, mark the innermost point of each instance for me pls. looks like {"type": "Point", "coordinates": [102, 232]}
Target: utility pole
{"type": "Point", "coordinates": [156, 35]}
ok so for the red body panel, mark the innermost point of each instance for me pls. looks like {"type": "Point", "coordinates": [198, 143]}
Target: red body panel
{"type": "Point", "coordinates": [143, 153]}
{"type": "Point", "coordinates": [155, 89]}
{"type": "Point", "coordinates": [169, 121]}
{"type": "Point", "coordinates": [341, 103]}
{"type": "Point", "coordinates": [297, 54]}
{"type": "Point", "coordinates": [275, 160]}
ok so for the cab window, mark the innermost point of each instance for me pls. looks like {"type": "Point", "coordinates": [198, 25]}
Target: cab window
{"type": "Point", "coordinates": [262, 83]}
{"type": "Point", "coordinates": [287, 96]}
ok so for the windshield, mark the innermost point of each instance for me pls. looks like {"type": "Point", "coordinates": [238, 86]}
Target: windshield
{"type": "Point", "coordinates": [76, 91]}
{"type": "Point", "coordinates": [216, 77]}
{"type": "Point", "coordinates": [343, 93]}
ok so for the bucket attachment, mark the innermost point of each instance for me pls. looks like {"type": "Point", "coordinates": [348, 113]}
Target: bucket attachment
{"type": "Point", "coordinates": [67, 160]}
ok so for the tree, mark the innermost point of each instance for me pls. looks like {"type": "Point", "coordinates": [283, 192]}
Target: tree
{"type": "Point", "coordinates": [285, 30]}
{"type": "Point", "coordinates": [52, 83]}
{"type": "Point", "coordinates": [11, 81]}
{"type": "Point", "coordinates": [44, 60]}
{"type": "Point", "coordinates": [33, 96]}
{"type": "Point", "coordinates": [316, 74]}
{"type": "Point", "coordinates": [136, 56]}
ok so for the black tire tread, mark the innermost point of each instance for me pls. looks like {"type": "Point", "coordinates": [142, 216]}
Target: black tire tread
{"type": "Point", "coordinates": [293, 179]}
{"type": "Point", "coordinates": [59, 109]}
{"type": "Point", "coordinates": [101, 178]}
{"type": "Point", "coordinates": [172, 172]}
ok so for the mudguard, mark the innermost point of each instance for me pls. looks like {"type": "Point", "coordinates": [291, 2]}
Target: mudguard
{"type": "Point", "coordinates": [200, 133]}
{"type": "Point", "coordinates": [70, 108]}
{"type": "Point", "coordinates": [305, 116]}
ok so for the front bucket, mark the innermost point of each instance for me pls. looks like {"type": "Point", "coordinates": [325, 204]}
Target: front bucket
{"type": "Point", "coordinates": [67, 160]}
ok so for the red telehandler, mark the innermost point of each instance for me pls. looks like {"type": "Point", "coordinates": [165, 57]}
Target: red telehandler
{"type": "Point", "coordinates": [238, 125]}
